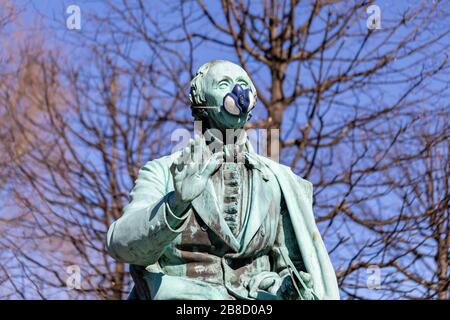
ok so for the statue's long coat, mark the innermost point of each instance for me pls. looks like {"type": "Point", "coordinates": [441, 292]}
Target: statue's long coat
{"type": "Point", "coordinates": [130, 238]}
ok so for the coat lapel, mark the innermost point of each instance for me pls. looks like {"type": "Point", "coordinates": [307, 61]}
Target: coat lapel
{"type": "Point", "coordinates": [261, 197]}
{"type": "Point", "coordinates": [206, 207]}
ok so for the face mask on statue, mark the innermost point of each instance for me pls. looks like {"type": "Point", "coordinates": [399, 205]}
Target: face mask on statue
{"type": "Point", "coordinates": [228, 95]}
{"type": "Point", "coordinates": [235, 110]}
{"type": "Point", "coordinates": [239, 101]}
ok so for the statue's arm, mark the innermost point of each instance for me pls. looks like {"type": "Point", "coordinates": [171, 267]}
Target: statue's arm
{"type": "Point", "coordinates": [150, 221]}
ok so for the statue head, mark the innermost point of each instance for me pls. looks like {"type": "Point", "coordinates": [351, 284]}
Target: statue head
{"type": "Point", "coordinates": [222, 95]}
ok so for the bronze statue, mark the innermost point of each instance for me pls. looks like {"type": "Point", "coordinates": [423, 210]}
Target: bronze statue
{"type": "Point", "coordinates": [218, 221]}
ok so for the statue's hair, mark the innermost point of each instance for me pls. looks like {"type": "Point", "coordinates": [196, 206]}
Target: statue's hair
{"type": "Point", "coordinates": [196, 92]}
{"type": "Point", "coordinates": [197, 89]}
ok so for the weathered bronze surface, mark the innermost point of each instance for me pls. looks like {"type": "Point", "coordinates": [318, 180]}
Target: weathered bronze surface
{"type": "Point", "coordinates": [218, 221]}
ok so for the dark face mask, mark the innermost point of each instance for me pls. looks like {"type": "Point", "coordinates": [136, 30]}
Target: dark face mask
{"type": "Point", "coordinates": [239, 101]}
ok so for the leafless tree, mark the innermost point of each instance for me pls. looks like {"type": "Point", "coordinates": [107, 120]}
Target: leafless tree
{"type": "Point", "coordinates": [362, 113]}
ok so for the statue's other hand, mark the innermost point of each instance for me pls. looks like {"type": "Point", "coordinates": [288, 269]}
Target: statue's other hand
{"type": "Point", "coordinates": [266, 280]}
{"type": "Point", "coordinates": [191, 171]}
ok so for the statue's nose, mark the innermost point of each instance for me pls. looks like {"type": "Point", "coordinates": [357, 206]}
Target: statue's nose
{"type": "Point", "coordinates": [243, 98]}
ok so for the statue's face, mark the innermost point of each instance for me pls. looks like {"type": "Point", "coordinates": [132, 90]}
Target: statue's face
{"type": "Point", "coordinates": [224, 79]}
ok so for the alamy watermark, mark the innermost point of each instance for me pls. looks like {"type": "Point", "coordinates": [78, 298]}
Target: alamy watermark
{"type": "Point", "coordinates": [265, 142]}
{"type": "Point", "coordinates": [73, 21]}
{"type": "Point", "coordinates": [73, 280]}
{"type": "Point", "coordinates": [373, 22]}
{"type": "Point", "coordinates": [373, 280]}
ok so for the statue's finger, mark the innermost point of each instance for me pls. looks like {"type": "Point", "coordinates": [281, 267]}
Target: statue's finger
{"type": "Point", "coordinates": [253, 287]}
{"type": "Point", "coordinates": [177, 165]}
{"type": "Point", "coordinates": [213, 164]}
{"type": "Point", "coordinates": [275, 285]}
{"type": "Point", "coordinates": [266, 283]}
{"type": "Point", "coordinates": [202, 146]}
{"type": "Point", "coordinates": [193, 150]}
{"type": "Point", "coordinates": [198, 151]}
{"type": "Point", "coordinates": [186, 155]}
{"type": "Point", "coordinates": [254, 283]}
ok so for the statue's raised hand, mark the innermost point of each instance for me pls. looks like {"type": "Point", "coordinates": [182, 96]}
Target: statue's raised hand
{"type": "Point", "coordinates": [191, 171]}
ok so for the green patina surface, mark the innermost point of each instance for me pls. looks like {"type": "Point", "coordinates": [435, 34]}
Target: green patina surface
{"type": "Point", "coordinates": [197, 227]}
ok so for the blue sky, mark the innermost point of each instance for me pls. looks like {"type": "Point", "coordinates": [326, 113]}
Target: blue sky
{"type": "Point", "coordinates": [52, 15]}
